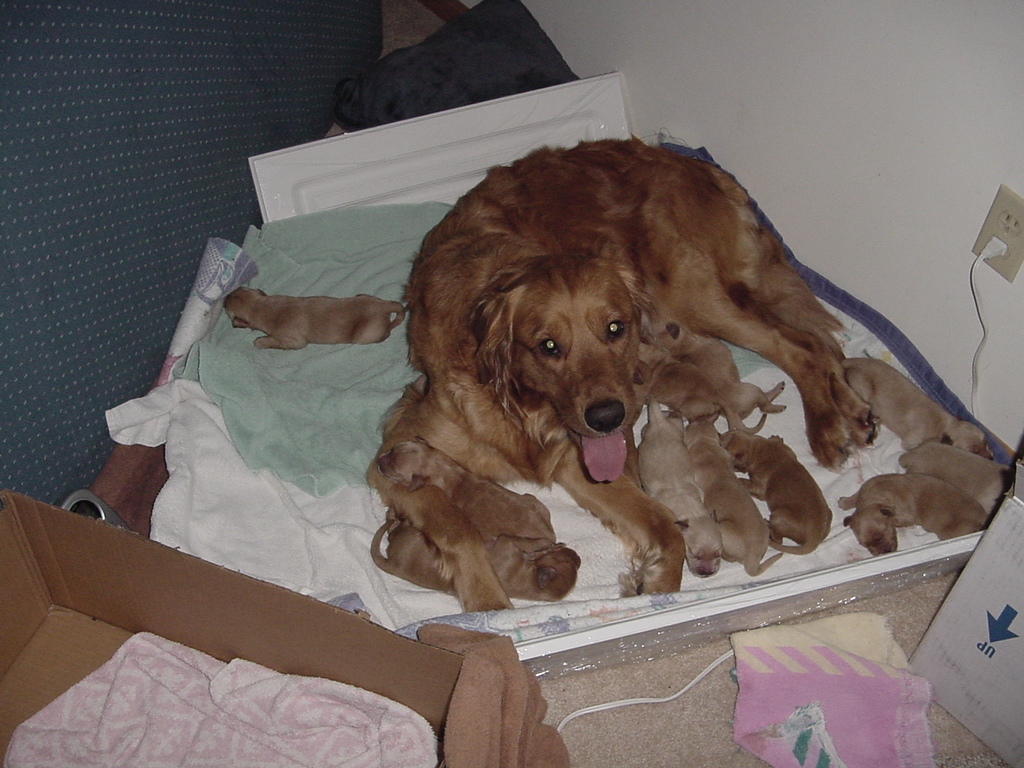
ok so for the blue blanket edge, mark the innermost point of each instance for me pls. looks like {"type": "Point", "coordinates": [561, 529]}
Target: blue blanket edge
{"type": "Point", "coordinates": [903, 348]}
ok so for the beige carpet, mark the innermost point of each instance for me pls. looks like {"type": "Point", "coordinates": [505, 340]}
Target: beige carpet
{"type": "Point", "coordinates": [696, 730]}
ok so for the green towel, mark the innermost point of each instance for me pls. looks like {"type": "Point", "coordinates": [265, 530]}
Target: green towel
{"type": "Point", "coordinates": [313, 415]}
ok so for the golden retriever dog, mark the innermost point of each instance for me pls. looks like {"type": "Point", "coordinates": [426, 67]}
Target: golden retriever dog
{"type": "Point", "coordinates": [526, 305]}
{"type": "Point", "coordinates": [744, 531]}
{"type": "Point", "coordinates": [667, 475]}
{"type": "Point", "coordinates": [983, 479]}
{"type": "Point", "coordinates": [292, 322]}
{"type": "Point", "coordinates": [516, 528]}
{"type": "Point", "coordinates": [798, 510]}
{"type": "Point", "coordinates": [887, 502]}
{"type": "Point", "coordinates": [904, 408]}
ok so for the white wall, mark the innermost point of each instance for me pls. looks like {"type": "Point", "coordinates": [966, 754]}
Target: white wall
{"type": "Point", "coordinates": [873, 133]}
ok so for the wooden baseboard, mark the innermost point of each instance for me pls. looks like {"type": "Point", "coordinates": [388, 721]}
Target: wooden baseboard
{"type": "Point", "coordinates": [445, 9]}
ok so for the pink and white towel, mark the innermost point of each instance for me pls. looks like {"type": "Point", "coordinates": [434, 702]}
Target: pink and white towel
{"type": "Point", "coordinates": [159, 704]}
{"type": "Point", "coordinates": [830, 693]}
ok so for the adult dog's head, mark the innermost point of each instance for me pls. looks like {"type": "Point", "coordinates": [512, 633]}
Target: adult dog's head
{"type": "Point", "coordinates": [557, 340]}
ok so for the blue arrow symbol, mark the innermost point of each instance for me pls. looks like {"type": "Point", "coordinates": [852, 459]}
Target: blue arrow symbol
{"type": "Point", "coordinates": [999, 629]}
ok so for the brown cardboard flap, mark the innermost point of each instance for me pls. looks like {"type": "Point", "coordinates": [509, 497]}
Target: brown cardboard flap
{"type": "Point", "coordinates": [67, 647]}
{"type": "Point", "coordinates": [24, 600]}
{"type": "Point", "coordinates": [139, 585]}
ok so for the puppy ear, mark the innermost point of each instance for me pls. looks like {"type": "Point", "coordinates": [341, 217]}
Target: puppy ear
{"type": "Point", "coordinates": [847, 502]}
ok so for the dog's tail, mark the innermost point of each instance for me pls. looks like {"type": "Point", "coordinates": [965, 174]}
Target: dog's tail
{"type": "Point", "coordinates": [397, 315]}
{"type": "Point", "coordinates": [794, 549]}
{"type": "Point", "coordinates": [756, 569]}
{"type": "Point", "coordinates": [736, 423]}
{"type": "Point", "coordinates": [376, 553]}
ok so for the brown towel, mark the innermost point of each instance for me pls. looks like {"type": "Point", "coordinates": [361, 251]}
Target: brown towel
{"type": "Point", "coordinates": [496, 715]}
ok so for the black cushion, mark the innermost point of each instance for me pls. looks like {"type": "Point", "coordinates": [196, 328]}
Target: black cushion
{"type": "Point", "coordinates": [495, 49]}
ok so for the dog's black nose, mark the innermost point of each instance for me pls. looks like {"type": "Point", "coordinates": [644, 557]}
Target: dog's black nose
{"type": "Point", "coordinates": [605, 416]}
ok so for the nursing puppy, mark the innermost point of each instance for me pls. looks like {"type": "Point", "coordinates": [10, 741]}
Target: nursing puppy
{"type": "Point", "coordinates": [983, 479]}
{"type": "Point", "coordinates": [716, 364]}
{"type": "Point", "coordinates": [529, 569]}
{"type": "Point", "coordinates": [887, 502]}
{"type": "Point", "coordinates": [667, 474]}
{"type": "Point", "coordinates": [292, 322]}
{"type": "Point", "coordinates": [798, 508]}
{"type": "Point", "coordinates": [683, 387]}
{"type": "Point", "coordinates": [508, 522]}
{"type": "Point", "coordinates": [905, 409]}
{"type": "Point", "coordinates": [744, 531]}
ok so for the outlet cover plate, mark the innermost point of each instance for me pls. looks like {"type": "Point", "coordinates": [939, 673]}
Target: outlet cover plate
{"type": "Point", "coordinates": [1005, 221]}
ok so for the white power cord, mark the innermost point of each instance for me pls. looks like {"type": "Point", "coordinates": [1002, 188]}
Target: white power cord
{"type": "Point", "coordinates": [629, 702]}
{"type": "Point", "coordinates": [995, 247]}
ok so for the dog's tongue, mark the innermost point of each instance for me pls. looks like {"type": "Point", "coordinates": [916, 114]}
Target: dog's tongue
{"type": "Point", "coordinates": [605, 457]}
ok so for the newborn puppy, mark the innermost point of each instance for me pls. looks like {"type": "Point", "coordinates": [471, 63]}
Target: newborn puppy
{"type": "Point", "coordinates": [683, 386]}
{"type": "Point", "coordinates": [411, 557]}
{"type": "Point", "coordinates": [292, 322]}
{"type": "Point", "coordinates": [536, 567]}
{"type": "Point", "coordinates": [666, 474]}
{"type": "Point", "coordinates": [744, 531]}
{"type": "Point", "coordinates": [887, 502]}
{"type": "Point", "coordinates": [905, 409]}
{"type": "Point", "coordinates": [714, 360]}
{"type": "Point", "coordinates": [983, 479]}
{"type": "Point", "coordinates": [798, 508]}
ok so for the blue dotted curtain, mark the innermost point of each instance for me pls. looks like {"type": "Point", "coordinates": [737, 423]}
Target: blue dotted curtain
{"type": "Point", "coordinates": [125, 129]}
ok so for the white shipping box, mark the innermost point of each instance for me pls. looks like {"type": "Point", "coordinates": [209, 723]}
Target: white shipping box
{"type": "Point", "coordinates": [973, 652]}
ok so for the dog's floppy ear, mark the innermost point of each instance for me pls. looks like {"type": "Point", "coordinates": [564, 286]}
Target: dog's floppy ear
{"type": "Point", "coordinates": [492, 328]}
{"type": "Point", "coordinates": [646, 316]}
{"type": "Point", "coordinates": [492, 323]}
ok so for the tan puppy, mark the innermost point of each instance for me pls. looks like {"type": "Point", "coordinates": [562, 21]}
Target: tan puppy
{"type": "Point", "coordinates": [905, 409]}
{"type": "Point", "coordinates": [887, 502]}
{"type": "Point", "coordinates": [292, 322]}
{"type": "Point", "coordinates": [798, 508]}
{"type": "Point", "coordinates": [667, 474]}
{"type": "Point", "coordinates": [743, 529]}
{"type": "Point", "coordinates": [529, 569]}
{"type": "Point", "coordinates": [516, 528]}
{"type": "Point", "coordinates": [983, 479]}
{"type": "Point", "coordinates": [687, 391]}
{"type": "Point", "coordinates": [713, 359]}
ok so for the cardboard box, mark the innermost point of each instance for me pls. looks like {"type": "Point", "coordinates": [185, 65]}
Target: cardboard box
{"type": "Point", "coordinates": [973, 652]}
{"type": "Point", "coordinates": [73, 589]}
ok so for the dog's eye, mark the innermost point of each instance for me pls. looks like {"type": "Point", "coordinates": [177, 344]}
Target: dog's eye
{"type": "Point", "coordinates": [549, 347]}
{"type": "Point", "coordinates": [616, 328]}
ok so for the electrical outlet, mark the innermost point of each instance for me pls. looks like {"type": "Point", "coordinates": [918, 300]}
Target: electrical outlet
{"type": "Point", "coordinates": [1005, 220]}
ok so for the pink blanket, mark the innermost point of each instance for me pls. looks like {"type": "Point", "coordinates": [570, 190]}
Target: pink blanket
{"type": "Point", "coordinates": [157, 703]}
{"type": "Point", "coordinates": [831, 692]}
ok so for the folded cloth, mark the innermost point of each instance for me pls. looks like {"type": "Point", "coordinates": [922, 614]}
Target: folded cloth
{"type": "Point", "coordinates": [497, 711]}
{"type": "Point", "coordinates": [832, 692]}
{"type": "Point", "coordinates": [157, 703]}
{"type": "Point", "coordinates": [223, 267]}
{"type": "Point", "coordinates": [313, 415]}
